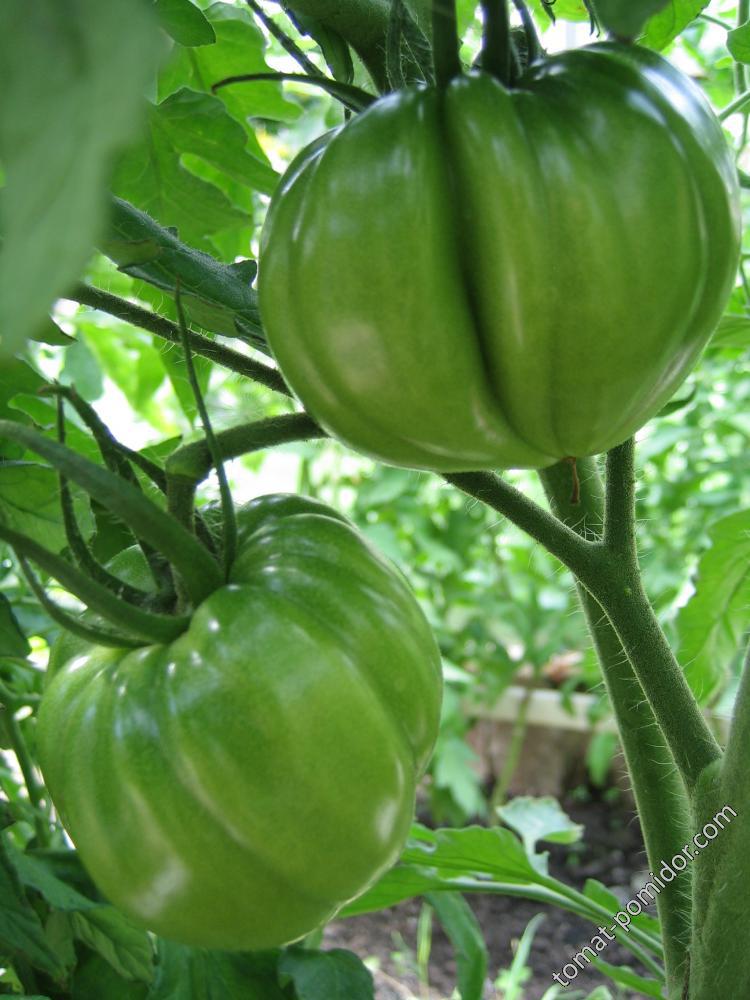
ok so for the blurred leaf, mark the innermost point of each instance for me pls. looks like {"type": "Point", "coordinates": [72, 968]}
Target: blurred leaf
{"type": "Point", "coordinates": [125, 947]}
{"type": "Point", "coordinates": [738, 42]}
{"type": "Point", "coordinates": [81, 370]}
{"type": "Point", "coordinates": [625, 18]}
{"type": "Point", "coordinates": [184, 22]}
{"type": "Point", "coordinates": [599, 894]}
{"type": "Point", "coordinates": [459, 923]}
{"type": "Point", "coordinates": [72, 77]}
{"type": "Point", "coordinates": [29, 503]}
{"type": "Point", "coordinates": [20, 927]}
{"type": "Point", "coordinates": [624, 976]}
{"type": "Point", "coordinates": [565, 10]}
{"type": "Point", "coordinates": [325, 975]}
{"type": "Point", "coordinates": [95, 979]}
{"type": "Point", "coordinates": [452, 770]}
{"type": "Point", "coordinates": [539, 819]}
{"type": "Point", "coordinates": [50, 333]}
{"type": "Point", "coordinates": [599, 755]}
{"type": "Point", "coordinates": [733, 331]}
{"type": "Point", "coordinates": [668, 23]}
{"type": "Point", "coordinates": [711, 624]}
{"type": "Point", "coordinates": [12, 640]}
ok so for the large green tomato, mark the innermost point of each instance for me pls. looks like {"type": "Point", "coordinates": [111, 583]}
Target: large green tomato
{"type": "Point", "coordinates": [234, 788]}
{"type": "Point", "coordinates": [486, 277]}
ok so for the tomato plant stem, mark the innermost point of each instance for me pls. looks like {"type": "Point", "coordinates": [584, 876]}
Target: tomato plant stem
{"type": "Point", "coordinates": [95, 298]}
{"type": "Point", "coordinates": [33, 787]}
{"type": "Point", "coordinates": [651, 767]}
{"type": "Point", "coordinates": [445, 41]}
{"type": "Point", "coordinates": [496, 50]}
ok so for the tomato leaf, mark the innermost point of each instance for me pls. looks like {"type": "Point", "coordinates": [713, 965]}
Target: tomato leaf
{"type": "Point", "coordinates": [733, 331]}
{"type": "Point", "coordinates": [625, 18]}
{"type": "Point", "coordinates": [665, 26]}
{"type": "Point", "coordinates": [184, 22]}
{"type": "Point", "coordinates": [20, 927]}
{"type": "Point", "coordinates": [462, 927]}
{"type": "Point", "coordinates": [72, 77]}
{"type": "Point", "coordinates": [30, 504]}
{"type": "Point", "coordinates": [624, 976]}
{"type": "Point", "coordinates": [325, 975]}
{"type": "Point", "coordinates": [711, 624]}
{"type": "Point", "coordinates": [153, 176]}
{"type": "Point", "coordinates": [239, 48]}
{"type": "Point", "coordinates": [539, 819]}
{"type": "Point", "coordinates": [189, 974]}
{"type": "Point", "coordinates": [215, 296]}
{"type": "Point", "coordinates": [12, 640]}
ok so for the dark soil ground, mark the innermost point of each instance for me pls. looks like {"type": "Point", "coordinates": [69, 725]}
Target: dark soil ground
{"type": "Point", "coordinates": [611, 851]}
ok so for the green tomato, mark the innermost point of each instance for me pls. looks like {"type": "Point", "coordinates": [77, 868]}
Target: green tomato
{"type": "Point", "coordinates": [485, 278]}
{"type": "Point", "coordinates": [234, 788]}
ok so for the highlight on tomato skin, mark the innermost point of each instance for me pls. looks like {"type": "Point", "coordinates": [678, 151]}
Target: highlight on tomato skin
{"type": "Point", "coordinates": [494, 278]}
{"type": "Point", "coordinates": [234, 788]}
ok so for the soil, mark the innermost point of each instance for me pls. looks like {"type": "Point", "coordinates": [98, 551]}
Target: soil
{"type": "Point", "coordinates": [611, 851]}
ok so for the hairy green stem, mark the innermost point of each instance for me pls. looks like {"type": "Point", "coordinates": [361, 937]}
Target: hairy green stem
{"type": "Point", "coordinates": [582, 557]}
{"type": "Point", "coordinates": [620, 592]}
{"type": "Point", "coordinates": [193, 461]}
{"type": "Point", "coordinates": [95, 298]}
{"type": "Point", "coordinates": [229, 521]}
{"type": "Point", "coordinates": [655, 780]}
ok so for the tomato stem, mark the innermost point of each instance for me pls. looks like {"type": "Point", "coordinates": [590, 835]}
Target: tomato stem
{"type": "Point", "coordinates": [650, 763]}
{"type": "Point", "coordinates": [146, 519]}
{"type": "Point", "coordinates": [96, 298]}
{"type": "Point", "coordinates": [76, 542]}
{"type": "Point", "coordinates": [229, 521]}
{"type": "Point", "coordinates": [497, 55]}
{"type": "Point", "coordinates": [445, 41]}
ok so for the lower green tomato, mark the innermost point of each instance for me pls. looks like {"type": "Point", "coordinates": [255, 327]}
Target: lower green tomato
{"type": "Point", "coordinates": [235, 788]}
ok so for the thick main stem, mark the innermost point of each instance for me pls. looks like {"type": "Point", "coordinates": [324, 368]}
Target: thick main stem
{"type": "Point", "coordinates": [654, 776]}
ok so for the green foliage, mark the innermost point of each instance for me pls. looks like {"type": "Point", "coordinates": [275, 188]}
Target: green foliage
{"type": "Point", "coordinates": [72, 81]}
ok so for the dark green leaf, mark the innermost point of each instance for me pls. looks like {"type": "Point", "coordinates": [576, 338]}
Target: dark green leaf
{"type": "Point", "coordinates": [12, 640]}
{"type": "Point", "coordinates": [334, 48]}
{"type": "Point", "coordinates": [188, 974]}
{"type": "Point", "coordinates": [325, 975]}
{"type": "Point", "coordinates": [459, 923]}
{"type": "Point", "coordinates": [95, 979]}
{"type": "Point", "coordinates": [185, 22]}
{"type": "Point", "coordinates": [72, 77]}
